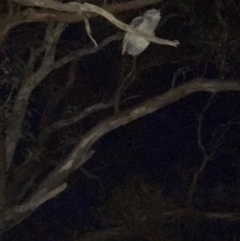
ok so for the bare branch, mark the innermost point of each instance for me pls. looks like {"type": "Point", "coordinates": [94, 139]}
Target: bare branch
{"type": "Point", "coordinates": [180, 71]}
{"type": "Point", "coordinates": [86, 112]}
{"type": "Point", "coordinates": [206, 156]}
{"type": "Point", "coordinates": [83, 52]}
{"type": "Point", "coordinates": [34, 15]}
{"type": "Point", "coordinates": [216, 141]}
{"type": "Point", "coordinates": [212, 150]}
{"type": "Point", "coordinates": [53, 33]}
{"type": "Point", "coordinates": [122, 118]}
{"type": "Point", "coordinates": [88, 29]}
{"type": "Point", "coordinates": [125, 83]}
{"type": "Point", "coordinates": [199, 129]}
{"type": "Point", "coordinates": [88, 174]}
{"type": "Point", "coordinates": [86, 7]}
{"type": "Point", "coordinates": [35, 202]}
{"type": "Point", "coordinates": [52, 36]}
{"type": "Point", "coordinates": [44, 135]}
{"type": "Point", "coordinates": [15, 214]}
{"type": "Point", "coordinates": [82, 151]}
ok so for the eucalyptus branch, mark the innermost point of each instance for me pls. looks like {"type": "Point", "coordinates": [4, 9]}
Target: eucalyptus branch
{"type": "Point", "coordinates": [90, 8]}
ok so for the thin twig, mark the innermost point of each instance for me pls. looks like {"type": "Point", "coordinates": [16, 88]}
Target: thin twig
{"type": "Point", "coordinates": [206, 156]}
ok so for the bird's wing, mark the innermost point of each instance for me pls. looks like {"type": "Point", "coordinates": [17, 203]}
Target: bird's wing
{"type": "Point", "coordinates": [136, 22]}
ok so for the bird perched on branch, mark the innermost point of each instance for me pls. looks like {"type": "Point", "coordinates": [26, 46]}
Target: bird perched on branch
{"type": "Point", "coordinates": [135, 45]}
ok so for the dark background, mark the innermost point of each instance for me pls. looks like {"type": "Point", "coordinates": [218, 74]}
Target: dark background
{"type": "Point", "coordinates": [162, 146]}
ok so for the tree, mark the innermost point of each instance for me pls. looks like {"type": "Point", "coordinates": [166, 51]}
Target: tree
{"type": "Point", "coordinates": [33, 168]}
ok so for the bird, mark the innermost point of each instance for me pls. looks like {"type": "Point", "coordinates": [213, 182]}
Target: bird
{"type": "Point", "coordinates": [147, 23]}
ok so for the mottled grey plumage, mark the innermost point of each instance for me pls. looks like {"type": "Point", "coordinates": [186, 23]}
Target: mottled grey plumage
{"type": "Point", "coordinates": [134, 45]}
